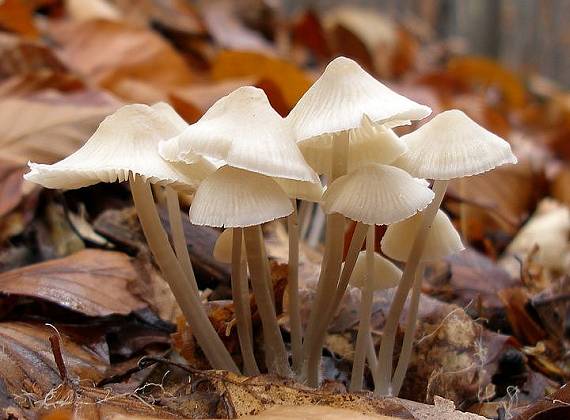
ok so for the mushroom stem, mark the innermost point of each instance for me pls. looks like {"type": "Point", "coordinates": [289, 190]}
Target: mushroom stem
{"type": "Point", "coordinates": [330, 266]}
{"type": "Point", "coordinates": [386, 351]}
{"type": "Point", "coordinates": [463, 210]}
{"type": "Point", "coordinates": [178, 237]}
{"type": "Point", "coordinates": [240, 296]}
{"type": "Point", "coordinates": [371, 357]}
{"type": "Point", "coordinates": [365, 313]}
{"type": "Point", "coordinates": [354, 248]}
{"type": "Point", "coordinates": [349, 263]}
{"type": "Point", "coordinates": [406, 352]}
{"type": "Point", "coordinates": [189, 302]}
{"type": "Point", "coordinates": [293, 290]}
{"type": "Point", "coordinates": [275, 353]}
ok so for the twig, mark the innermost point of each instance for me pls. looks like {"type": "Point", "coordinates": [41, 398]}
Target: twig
{"type": "Point", "coordinates": [55, 340]}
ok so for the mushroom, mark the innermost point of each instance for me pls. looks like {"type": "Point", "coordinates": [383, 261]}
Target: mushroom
{"type": "Point", "coordinates": [228, 243]}
{"type": "Point", "coordinates": [335, 104]}
{"type": "Point", "coordinates": [373, 194]}
{"type": "Point", "coordinates": [383, 275]}
{"type": "Point", "coordinates": [243, 200]}
{"type": "Point", "coordinates": [451, 145]}
{"type": "Point", "coordinates": [242, 130]}
{"type": "Point", "coordinates": [442, 240]}
{"type": "Point", "coordinates": [124, 146]}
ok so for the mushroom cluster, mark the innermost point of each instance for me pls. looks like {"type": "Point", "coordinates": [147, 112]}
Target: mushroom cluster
{"type": "Point", "coordinates": [247, 166]}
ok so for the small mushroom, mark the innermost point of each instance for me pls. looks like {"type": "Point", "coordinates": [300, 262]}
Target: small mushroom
{"type": "Point", "coordinates": [230, 242]}
{"type": "Point", "coordinates": [372, 195]}
{"type": "Point", "coordinates": [243, 131]}
{"type": "Point", "coordinates": [442, 240]}
{"type": "Point", "coordinates": [323, 117]}
{"type": "Point", "coordinates": [451, 145]}
{"type": "Point", "coordinates": [124, 146]}
{"type": "Point", "coordinates": [243, 200]}
{"type": "Point", "coordinates": [383, 275]}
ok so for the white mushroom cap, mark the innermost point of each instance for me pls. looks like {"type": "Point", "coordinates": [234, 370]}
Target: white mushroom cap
{"type": "Point", "coordinates": [452, 145]}
{"type": "Point", "coordinates": [303, 190]}
{"type": "Point", "coordinates": [342, 95]}
{"type": "Point", "coordinates": [386, 274]}
{"type": "Point", "coordinates": [125, 142]}
{"type": "Point", "coordinates": [223, 247]}
{"type": "Point", "coordinates": [377, 194]}
{"type": "Point", "coordinates": [244, 131]}
{"type": "Point", "coordinates": [233, 197]}
{"type": "Point", "coordinates": [442, 240]}
{"type": "Point", "coordinates": [369, 143]}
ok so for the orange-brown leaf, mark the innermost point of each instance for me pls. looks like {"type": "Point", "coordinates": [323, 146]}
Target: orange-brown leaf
{"type": "Point", "coordinates": [92, 282]}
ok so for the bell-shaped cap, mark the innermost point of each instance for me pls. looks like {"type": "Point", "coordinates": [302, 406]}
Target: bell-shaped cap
{"type": "Point", "coordinates": [377, 194]}
{"type": "Point", "coordinates": [233, 197]}
{"type": "Point", "coordinates": [343, 94]}
{"type": "Point", "coordinates": [452, 145]}
{"type": "Point", "coordinates": [244, 131]}
{"type": "Point", "coordinates": [224, 245]}
{"type": "Point", "coordinates": [369, 143]}
{"type": "Point", "coordinates": [386, 274]}
{"type": "Point", "coordinates": [303, 190]}
{"type": "Point", "coordinates": [442, 240]}
{"type": "Point", "coordinates": [125, 142]}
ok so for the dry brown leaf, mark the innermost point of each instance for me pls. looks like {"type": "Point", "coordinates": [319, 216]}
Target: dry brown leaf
{"type": "Point", "coordinates": [92, 282]}
{"type": "Point", "coordinates": [228, 31]}
{"type": "Point", "coordinates": [499, 200]}
{"type": "Point", "coordinates": [291, 80]}
{"type": "Point", "coordinates": [464, 279]}
{"type": "Point", "coordinates": [17, 16]}
{"type": "Point", "coordinates": [317, 412]}
{"type": "Point", "coordinates": [308, 32]}
{"type": "Point", "coordinates": [11, 181]}
{"type": "Point", "coordinates": [486, 73]}
{"type": "Point", "coordinates": [108, 53]}
{"type": "Point", "coordinates": [191, 102]}
{"type": "Point", "coordinates": [84, 402]}
{"type": "Point", "coordinates": [49, 126]}
{"type": "Point", "coordinates": [27, 364]}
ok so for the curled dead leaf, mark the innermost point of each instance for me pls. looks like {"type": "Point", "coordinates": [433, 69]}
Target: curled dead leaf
{"type": "Point", "coordinates": [93, 282]}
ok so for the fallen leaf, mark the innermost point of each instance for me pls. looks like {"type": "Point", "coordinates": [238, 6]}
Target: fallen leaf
{"type": "Point", "coordinates": [108, 53]}
{"type": "Point", "coordinates": [92, 282]}
{"type": "Point", "coordinates": [292, 81]}
{"type": "Point", "coordinates": [85, 402]}
{"type": "Point", "coordinates": [486, 73]}
{"type": "Point", "coordinates": [524, 327]}
{"type": "Point", "coordinates": [470, 279]}
{"type": "Point", "coordinates": [308, 32]}
{"type": "Point", "coordinates": [227, 29]}
{"type": "Point", "coordinates": [48, 126]}
{"type": "Point", "coordinates": [11, 192]}
{"type": "Point", "coordinates": [27, 364]}
{"type": "Point", "coordinates": [307, 412]}
{"type": "Point", "coordinates": [500, 200]}
{"type": "Point", "coordinates": [17, 16]}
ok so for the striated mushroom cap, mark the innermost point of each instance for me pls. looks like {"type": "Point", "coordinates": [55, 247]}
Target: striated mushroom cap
{"type": "Point", "coordinates": [244, 131]}
{"type": "Point", "coordinates": [442, 240]}
{"type": "Point", "coordinates": [377, 194]}
{"type": "Point", "coordinates": [386, 274]}
{"type": "Point", "coordinates": [233, 197]}
{"type": "Point", "coordinates": [125, 142]}
{"type": "Point", "coordinates": [344, 93]}
{"type": "Point", "coordinates": [452, 145]}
